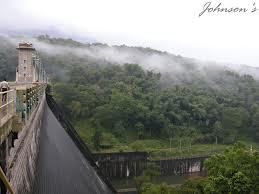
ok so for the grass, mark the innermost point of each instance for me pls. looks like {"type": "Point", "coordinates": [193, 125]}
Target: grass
{"type": "Point", "coordinates": [86, 132]}
{"type": "Point", "coordinates": [158, 148]}
{"type": "Point", "coordinates": [194, 150]}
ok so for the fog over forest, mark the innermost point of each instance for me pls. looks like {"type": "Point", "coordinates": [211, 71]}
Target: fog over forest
{"type": "Point", "coordinates": [175, 69]}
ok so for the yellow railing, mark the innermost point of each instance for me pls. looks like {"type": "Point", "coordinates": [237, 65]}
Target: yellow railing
{"type": "Point", "coordinates": [5, 181]}
{"type": "Point", "coordinates": [7, 106]}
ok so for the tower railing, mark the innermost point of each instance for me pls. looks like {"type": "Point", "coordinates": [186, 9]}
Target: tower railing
{"type": "Point", "coordinates": [7, 106]}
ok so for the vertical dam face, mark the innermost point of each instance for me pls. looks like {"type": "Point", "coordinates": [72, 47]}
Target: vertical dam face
{"type": "Point", "coordinates": [62, 168]}
{"type": "Point", "coordinates": [131, 164]}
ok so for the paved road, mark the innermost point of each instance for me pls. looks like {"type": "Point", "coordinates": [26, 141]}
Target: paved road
{"type": "Point", "coordinates": [62, 169]}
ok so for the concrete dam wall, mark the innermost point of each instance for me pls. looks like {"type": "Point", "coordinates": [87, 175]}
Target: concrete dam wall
{"type": "Point", "coordinates": [48, 158]}
{"type": "Point", "coordinates": [130, 164]}
{"type": "Point", "coordinates": [179, 166]}
{"type": "Point", "coordinates": [21, 164]}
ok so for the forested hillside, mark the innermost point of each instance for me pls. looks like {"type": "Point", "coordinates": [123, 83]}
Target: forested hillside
{"type": "Point", "coordinates": [126, 99]}
{"type": "Point", "coordinates": [117, 95]}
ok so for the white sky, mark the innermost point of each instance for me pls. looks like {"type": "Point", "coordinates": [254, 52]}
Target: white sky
{"type": "Point", "coordinates": [171, 25]}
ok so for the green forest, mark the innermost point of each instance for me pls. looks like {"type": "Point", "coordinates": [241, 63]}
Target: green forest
{"type": "Point", "coordinates": [126, 99]}
{"type": "Point", "coordinates": [123, 107]}
{"type": "Point", "coordinates": [120, 107]}
{"type": "Point", "coordinates": [187, 110]}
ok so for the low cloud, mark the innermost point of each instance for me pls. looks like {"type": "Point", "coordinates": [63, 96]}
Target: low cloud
{"type": "Point", "coordinates": [174, 68]}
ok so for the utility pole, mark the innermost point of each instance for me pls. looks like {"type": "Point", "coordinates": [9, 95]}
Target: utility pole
{"type": "Point", "coordinates": [170, 144]}
{"type": "Point", "coordinates": [181, 145]}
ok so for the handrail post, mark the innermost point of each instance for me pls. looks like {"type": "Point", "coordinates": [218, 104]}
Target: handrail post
{"type": "Point", "coordinates": [1, 96]}
{"type": "Point", "coordinates": [8, 105]}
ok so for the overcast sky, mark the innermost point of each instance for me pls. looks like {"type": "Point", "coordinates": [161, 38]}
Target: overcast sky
{"type": "Point", "coordinates": [171, 25]}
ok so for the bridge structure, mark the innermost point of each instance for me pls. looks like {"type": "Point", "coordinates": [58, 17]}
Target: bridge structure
{"type": "Point", "coordinates": [40, 151]}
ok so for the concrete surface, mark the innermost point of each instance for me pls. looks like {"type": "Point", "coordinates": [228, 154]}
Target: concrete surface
{"type": "Point", "coordinates": [61, 168]}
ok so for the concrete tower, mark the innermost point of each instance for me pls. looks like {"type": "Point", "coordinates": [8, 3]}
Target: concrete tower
{"type": "Point", "coordinates": [26, 68]}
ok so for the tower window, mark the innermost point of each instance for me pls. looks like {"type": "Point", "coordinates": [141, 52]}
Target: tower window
{"type": "Point", "coordinates": [24, 61]}
{"type": "Point", "coordinates": [24, 68]}
{"type": "Point", "coordinates": [24, 75]}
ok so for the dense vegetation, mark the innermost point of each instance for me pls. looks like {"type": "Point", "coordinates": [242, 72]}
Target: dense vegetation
{"type": "Point", "coordinates": [123, 99]}
{"type": "Point", "coordinates": [236, 171]}
{"type": "Point", "coordinates": [116, 104]}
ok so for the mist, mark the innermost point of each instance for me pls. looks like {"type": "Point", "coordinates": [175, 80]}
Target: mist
{"type": "Point", "coordinates": [148, 58]}
{"type": "Point", "coordinates": [175, 69]}
{"type": "Point", "coordinates": [175, 27]}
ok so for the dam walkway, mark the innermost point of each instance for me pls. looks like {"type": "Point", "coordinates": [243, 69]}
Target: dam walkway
{"type": "Point", "coordinates": [61, 166]}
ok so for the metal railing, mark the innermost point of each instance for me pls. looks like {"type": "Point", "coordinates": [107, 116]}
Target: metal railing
{"type": "Point", "coordinates": [7, 106]}
{"type": "Point", "coordinates": [60, 115]}
{"type": "Point", "coordinates": [5, 181]}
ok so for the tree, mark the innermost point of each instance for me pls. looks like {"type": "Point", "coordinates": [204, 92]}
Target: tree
{"type": "Point", "coordinates": [235, 171]}
{"type": "Point", "coordinates": [171, 134]}
{"type": "Point", "coordinates": [76, 108]}
{"type": "Point", "coordinates": [140, 130]}
{"type": "Point", "coordinates": [217, 130]}
{"type": "Point", "coordinates": [143, 181]}
{"type": "Point", "coordinates": [97, 138]}
{"type": "Point", "coordinates": [234, 118]}
{"type": "Point", "coordinates": [137, 146]}
{"type": "Point", "coordinates": [255, 124]}
{"type": "Point", "coordinates": [196, 185]}
{"type": "Point", "coordinates": [119, 129]}
{"type": "Point", "coordinates": [152, 170]}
